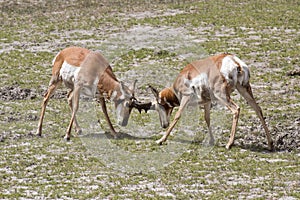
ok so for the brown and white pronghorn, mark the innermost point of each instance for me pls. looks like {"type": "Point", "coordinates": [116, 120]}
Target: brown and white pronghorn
{"type": "Point", "coordinates": [203, 81]}
{"type": "Point", "coordinates": [84, 72]}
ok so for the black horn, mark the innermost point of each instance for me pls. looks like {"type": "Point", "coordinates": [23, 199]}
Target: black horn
{"type": "Point", "coordinates": [141, 106]}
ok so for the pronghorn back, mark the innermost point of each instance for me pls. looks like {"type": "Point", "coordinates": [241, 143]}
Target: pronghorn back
{"type": "Point", "coordinates": [72, 55]}
{"type": "Point", "coordinates": [222, 67]}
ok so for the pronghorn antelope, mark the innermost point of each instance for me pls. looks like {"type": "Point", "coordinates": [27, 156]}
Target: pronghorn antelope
{"type": "Point", "coordinates": [84, 72]}
{"type": "Point", "coordinates": [203, 81]}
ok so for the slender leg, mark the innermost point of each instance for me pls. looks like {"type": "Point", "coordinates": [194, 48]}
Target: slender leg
{"type": "Point", "coordinates": [183, 104]}
{"type": "Point", "coordinates": [207, 119]}
{"type": "Point", "coordinates": [104, 109]}
{"type": "Point", "coordinates": [246, 92]}
{"type": "Point", "coordinates": [75, 98]}
{"type": "Point", "coordinates": [236, 112]}
{"type": "Point", "coordinates": [51, 89]}
{"type": "Point", "coordinates": [70, 102]}
{"type": "Point", "coordinates": [224, 98]}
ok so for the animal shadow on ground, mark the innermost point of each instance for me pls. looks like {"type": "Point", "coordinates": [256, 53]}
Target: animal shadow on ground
{"type": "Point", "coordinates": [255, 147]}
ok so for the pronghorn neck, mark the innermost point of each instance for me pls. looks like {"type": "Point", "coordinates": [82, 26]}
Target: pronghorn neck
{"type": "Point", "coordinates": [169, 97]}
{"type": "Point", "coordinates": [109, 84]}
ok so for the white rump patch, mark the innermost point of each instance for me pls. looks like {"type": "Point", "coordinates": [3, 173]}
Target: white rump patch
{"type": "Point", "coordinates": [245, 76]}
{"type": "Point", "coordinates": [239, 61]}
{"type": "Point", "coordinates": [229, 69]}
{"type": "Point", "coordinates": [68, 74]}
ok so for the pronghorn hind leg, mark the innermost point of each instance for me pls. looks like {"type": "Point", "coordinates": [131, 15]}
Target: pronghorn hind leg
{"type": "Point", "coordinates": [70, 102]}
{"type": "Point", "coordinates": [50, 91]}
{"type": "Point", "coordinates": [235, 109]}
{"type": "Point", "coordinates": [246, 92]}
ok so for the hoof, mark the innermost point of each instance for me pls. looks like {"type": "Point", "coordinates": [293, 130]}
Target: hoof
{"type": "Point", "coordinates": [66, 138]}
{"type": "Point", "coordinates": [271, 147]}
{"type": "Point", "coordinates": [228, 146]}
{"type": "Point", "coordinates": [159, 142]}
{"type": "Point", "coordinates": [115, 135]}
{"type": "Point", "coordinates": [38, 133]}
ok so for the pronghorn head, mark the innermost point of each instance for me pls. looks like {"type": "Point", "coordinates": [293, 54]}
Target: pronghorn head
{"type": "Point", "coordinates": [164, 103]}
{"type": "Point", "coordinates": [124, 100]}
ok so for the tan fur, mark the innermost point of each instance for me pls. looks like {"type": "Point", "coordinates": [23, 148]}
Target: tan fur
{"type": "Point", "coordinates": [94, 73]}
{"type": "Point", "coordinates": [219, 89]}
{"type": "Point", "coordinates": [72, 55]}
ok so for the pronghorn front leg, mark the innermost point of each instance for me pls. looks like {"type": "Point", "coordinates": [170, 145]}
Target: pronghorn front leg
{"type": "Point", "coordinates": [207, 108]}
{"type": "Point", "coordinates": [70, 102]}
{"type": "Point", "coordinates": [75, 106]}
{"type": "Point", "coordinates": [183, 103]}
{"type": "Point", "coordinates": [104, 109]}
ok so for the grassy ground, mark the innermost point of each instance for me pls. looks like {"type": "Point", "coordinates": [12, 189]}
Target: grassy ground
{"type": "Point", "coordinates": [151, 42]}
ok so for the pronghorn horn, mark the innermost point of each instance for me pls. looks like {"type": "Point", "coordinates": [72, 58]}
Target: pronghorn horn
{"type": "Point", "coordinates": [141, 106]}
{"type": "Point", "coordinates": [133, 87]}
{"type": "Point", "coordinates": [122, 89]}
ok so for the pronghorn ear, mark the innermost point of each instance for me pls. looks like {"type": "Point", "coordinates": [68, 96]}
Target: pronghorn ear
{"type": "Point", "coordinates": [155, 92]}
